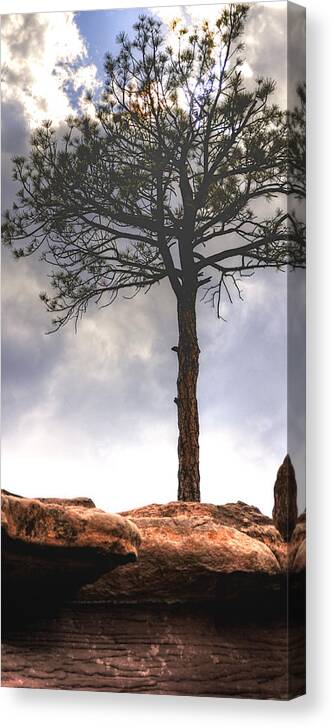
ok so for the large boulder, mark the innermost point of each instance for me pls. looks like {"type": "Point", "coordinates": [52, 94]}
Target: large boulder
{"type": "Point", "coordinates": [196, 551]}
{"type": "Point", "coordinates": [51, 547]}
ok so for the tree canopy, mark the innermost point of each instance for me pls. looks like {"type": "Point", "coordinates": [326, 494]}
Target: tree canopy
{"type": "Point", "coordinates": [166, 177]}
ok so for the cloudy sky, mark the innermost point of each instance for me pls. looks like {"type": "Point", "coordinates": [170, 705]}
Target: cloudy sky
{"type": "Point", "coordinates": [93, 413]}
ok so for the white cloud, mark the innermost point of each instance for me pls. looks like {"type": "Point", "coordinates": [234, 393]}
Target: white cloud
{"type": "Point", "coordinates": [43, 55]}
{"type": "Point", "coordinates": [194, 14]}
{"type": "Point", "coordinates": [265, 37]}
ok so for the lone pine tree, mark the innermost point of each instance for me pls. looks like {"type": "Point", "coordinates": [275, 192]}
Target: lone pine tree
{"type": "Point", "coordinates": [174, 176]}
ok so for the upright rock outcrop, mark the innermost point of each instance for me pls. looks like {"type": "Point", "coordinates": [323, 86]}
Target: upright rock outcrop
{"type": "Point", "coordinates": [285, 499]}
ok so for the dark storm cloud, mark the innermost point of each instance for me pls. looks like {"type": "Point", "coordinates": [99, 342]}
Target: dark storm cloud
{"type": "Point", "coordinates": [14, 140]}
{"type": "Point", "coordinates": [121, 360]}
{"type": "Point", "coordinates": [14, 133]}
{"type": "Point", "coordinates": [266, 44]}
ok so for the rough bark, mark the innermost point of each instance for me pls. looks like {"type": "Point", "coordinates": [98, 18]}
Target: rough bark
{"type": "Point", "coordinates": [188, 417]}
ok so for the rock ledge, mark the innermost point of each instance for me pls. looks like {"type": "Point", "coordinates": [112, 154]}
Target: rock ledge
{"type": "Point", "coordinates": [50, 548]}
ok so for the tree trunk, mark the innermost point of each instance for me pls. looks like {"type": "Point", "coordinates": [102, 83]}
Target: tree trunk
{"type": "Point", "coordinates": [188, 418]}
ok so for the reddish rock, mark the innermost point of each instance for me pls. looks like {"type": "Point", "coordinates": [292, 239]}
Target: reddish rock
{"type": "Point", "coordinates": [299, 562]}
{"type": "Point", "coordinates": [297, 546]}
{"type": "Point", "coordinates": [179, 649]}
{"type": "Point", "coordinates": [81, 501]}
{"type": "Point", "coordinates": [213, 606]}
{"type": "Point", "coordinates": [189, 549]}
{"type": "Point", "coordinates": [51, 548]}
{"type": "Point", "coordinates": [68, 525]}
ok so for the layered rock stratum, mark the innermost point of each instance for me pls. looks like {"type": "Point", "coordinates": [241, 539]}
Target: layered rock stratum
{"type": "Point", "coordinates": [179, 598]}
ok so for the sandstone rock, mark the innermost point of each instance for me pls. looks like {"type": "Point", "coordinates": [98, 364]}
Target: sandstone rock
{"type": "Point", "coordinates": [81, 501]}
{"type": "Point", "coordinates": [189, 551]}
{"type": "Point", "coordinates": [285, 499]}
{"type": "Point", "coordinates": [210, 610]}
{"type": "Point", "coordinates": [51, 548]}
{"type": "Point", "coordinates": [181, 649]}
{"type": "Point", "coordinates": [297, 546]}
